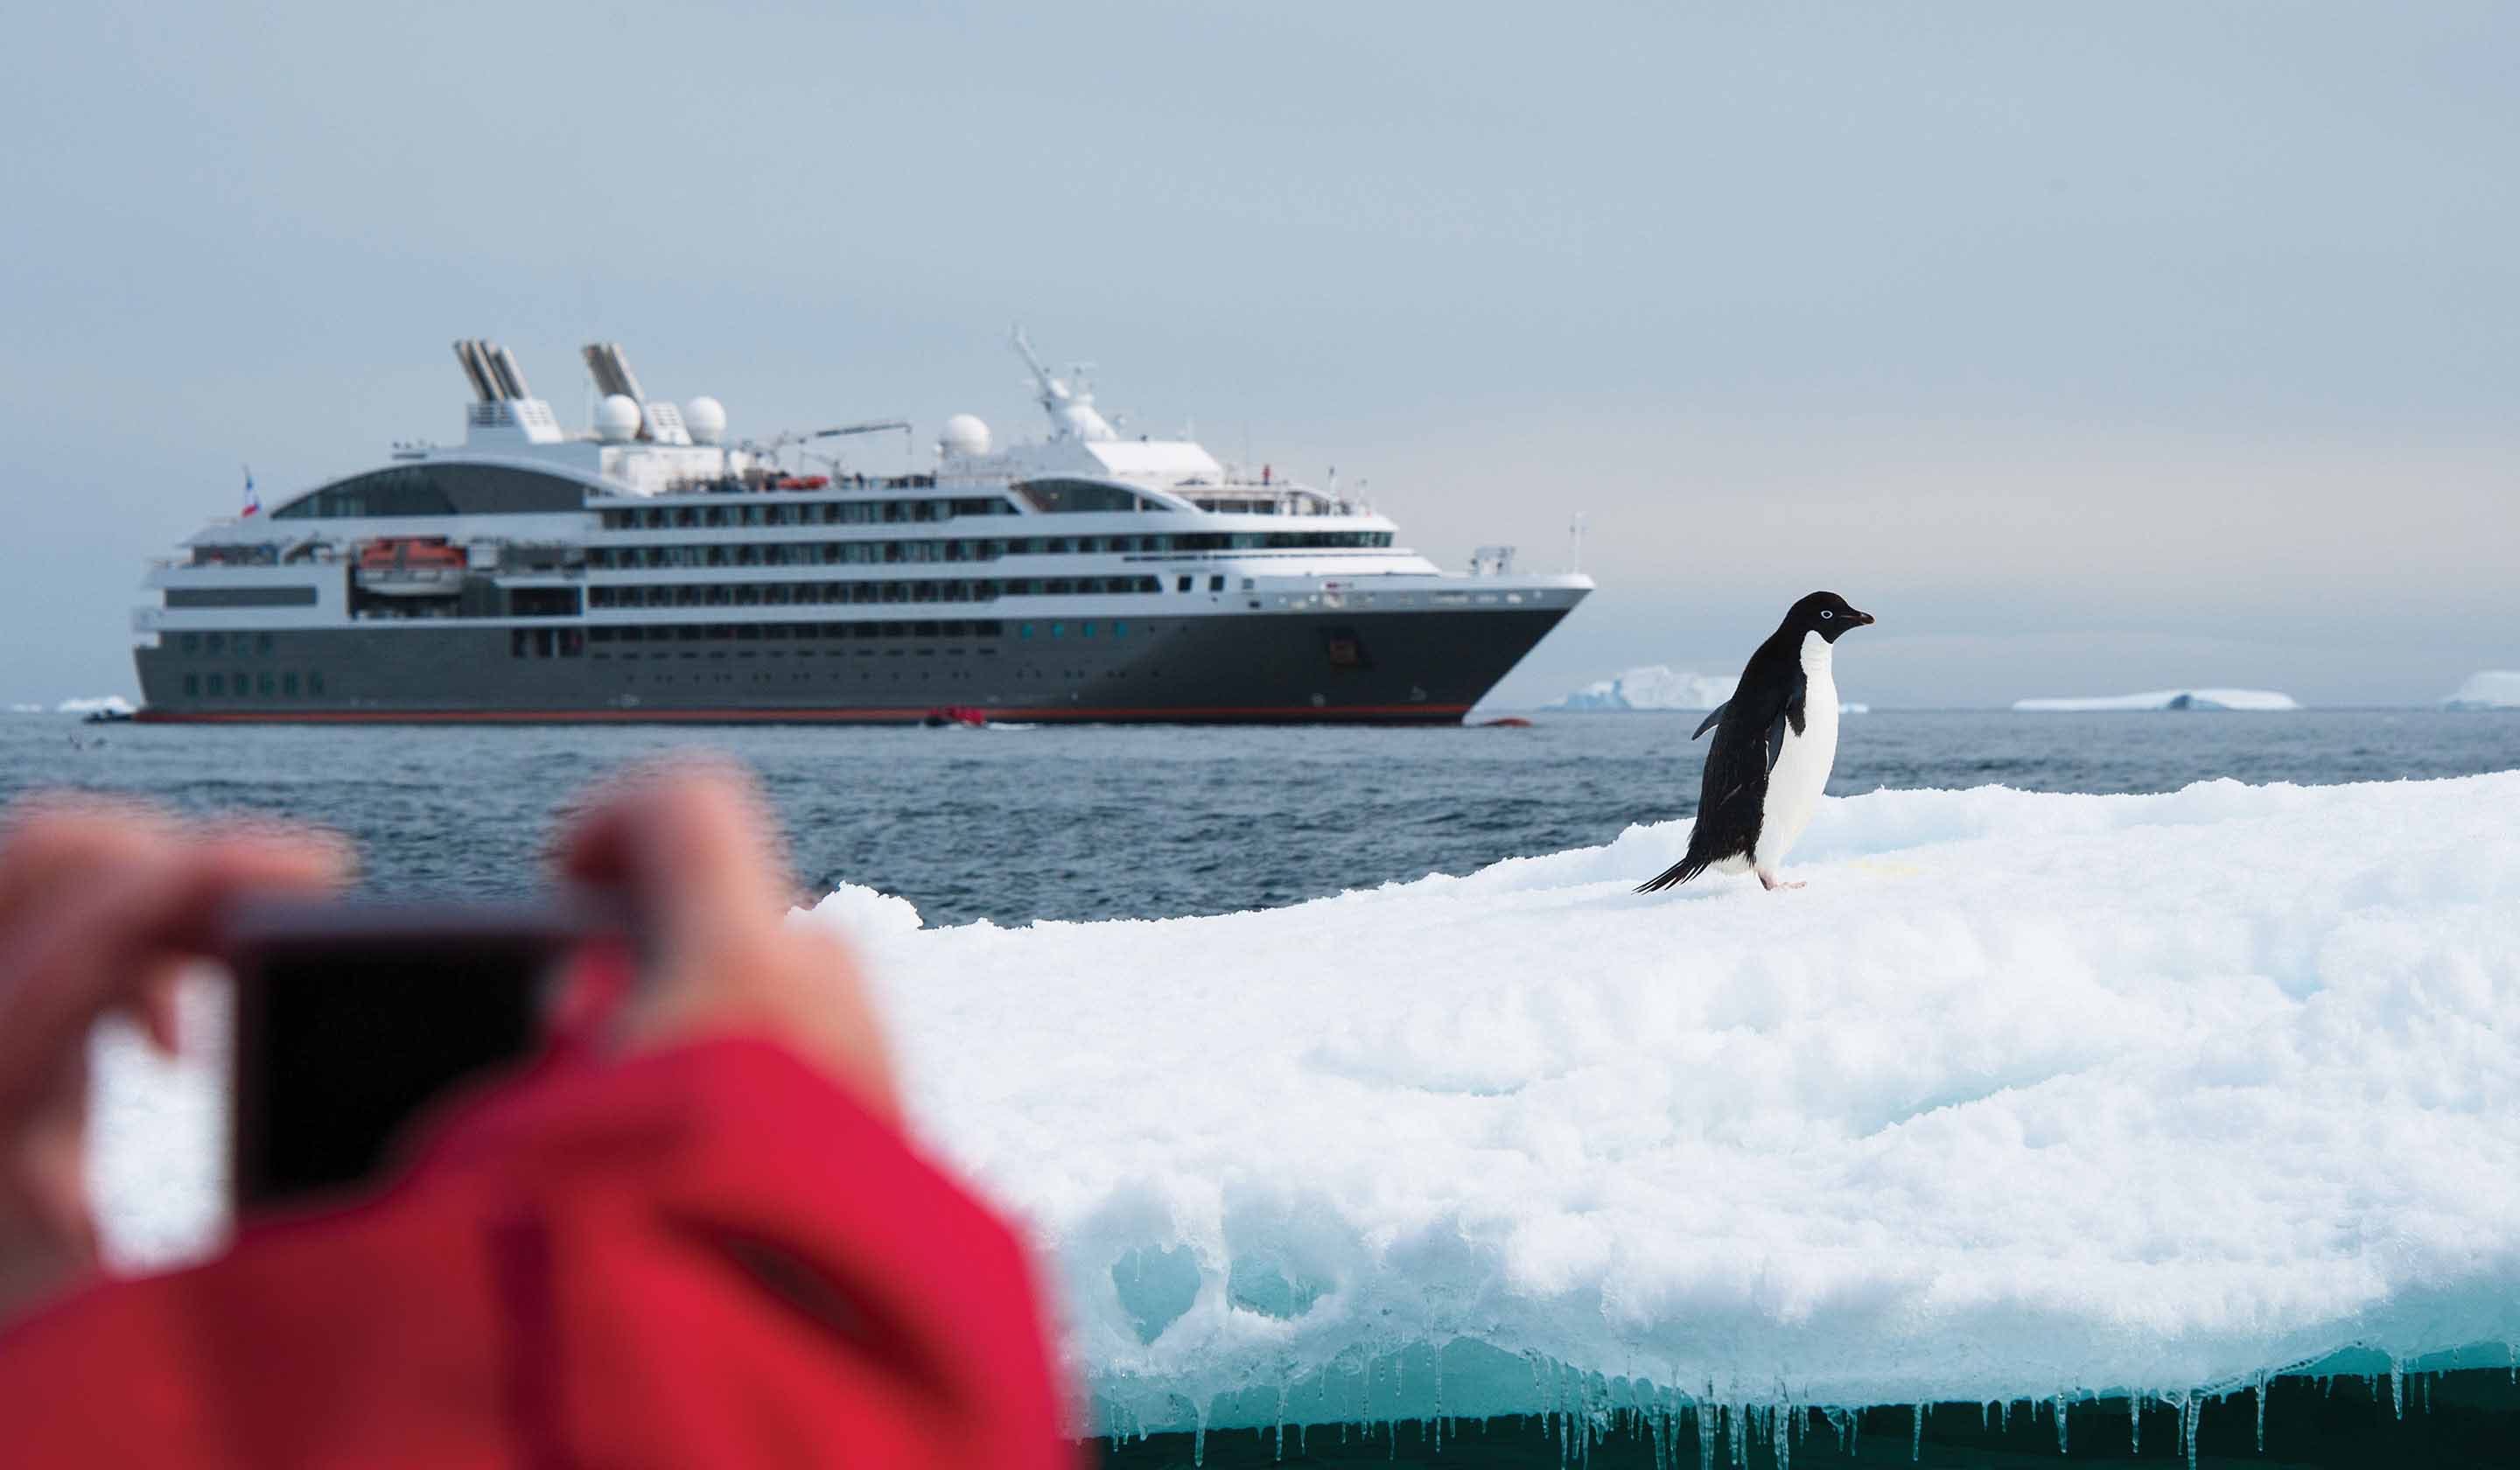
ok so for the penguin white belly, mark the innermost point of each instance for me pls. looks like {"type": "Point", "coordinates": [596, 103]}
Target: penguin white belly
{"type": "Point", "coordinates": [1802, 768]}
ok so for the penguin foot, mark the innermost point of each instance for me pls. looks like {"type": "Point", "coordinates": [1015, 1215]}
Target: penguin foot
{"type": "Point", "coordinates": [1771, 883]}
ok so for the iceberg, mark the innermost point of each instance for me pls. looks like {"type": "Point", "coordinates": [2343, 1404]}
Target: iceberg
{"type": "Point", "coordinates": [113, 705]}
{"type": "Point", "coordinates": [2243, 699]}
{"type": "Point", "coordinates": [1653, 687]}
{"type": "Point", "coordinates": [2026, 1095]}
{"type": "Point", "coordinates": [2490, 688]}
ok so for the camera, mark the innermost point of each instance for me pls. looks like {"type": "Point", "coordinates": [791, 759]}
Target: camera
{"type": "Point", "coordinates": [355, 1016]}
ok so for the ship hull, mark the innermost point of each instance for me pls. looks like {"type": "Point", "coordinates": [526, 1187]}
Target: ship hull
{"type": "Point", "coordinates": [1416, 668]}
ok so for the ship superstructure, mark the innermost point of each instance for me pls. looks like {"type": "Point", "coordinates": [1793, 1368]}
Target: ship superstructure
{"type": "Point", "coordinates": [646, 570]}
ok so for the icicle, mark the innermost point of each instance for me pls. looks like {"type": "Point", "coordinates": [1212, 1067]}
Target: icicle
{"type": "Point", "coordinates": [2135, 1416]}
{"type": "Point", "coordinates": [2262, 1411]}
{"type": "Point", "coordinates": [1198, 1439]}
{"type": "Point", "coordinates": [1282, 1418]}
{"type": "Point", "coordinates": [2060, 1424]}
{"type": "Point", "coordinates": [2428, 1391]}
{"type": "Point", "coordinates": [1780, 1438]}
{"type": "Point", "coordinates": [1916, 1434]}
{"type": "Point", "coordinates": [2004, 1416]}
{"type": "Point", "coordinates": [2397, 1385]}
{"type": "Point", "coordinates": [2194, 1409]}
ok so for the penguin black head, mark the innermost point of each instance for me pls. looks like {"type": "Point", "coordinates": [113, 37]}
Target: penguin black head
{"type": "Point", "coordinates": [1826, 614]}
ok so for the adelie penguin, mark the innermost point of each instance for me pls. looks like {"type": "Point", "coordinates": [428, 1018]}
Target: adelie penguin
{"type": "Point", "coordinates": [1775, 740]}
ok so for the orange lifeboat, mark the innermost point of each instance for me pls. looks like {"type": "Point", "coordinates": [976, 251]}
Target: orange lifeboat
{"type": "Point", "coordinates": [411, 566]}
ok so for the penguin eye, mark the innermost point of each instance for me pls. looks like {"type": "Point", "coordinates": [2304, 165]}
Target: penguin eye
{"type": "Point", "coordinates": [1825, 612]}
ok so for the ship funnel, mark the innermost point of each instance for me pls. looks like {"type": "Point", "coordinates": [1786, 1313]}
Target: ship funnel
{"type": "Point", "coordinates": [611, 371]}
{"type": "Point", "coordinates": [511, 377]}
{"type": "Point", "coordinates": [476, 371]}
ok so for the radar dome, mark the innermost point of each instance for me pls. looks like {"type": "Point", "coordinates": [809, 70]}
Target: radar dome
{"type": "Point", "coordinates": [617, 418]}
{"type": "Point", "coordinates": [705, 417]}
{"type": "Point", "coordinates": [964, 434]}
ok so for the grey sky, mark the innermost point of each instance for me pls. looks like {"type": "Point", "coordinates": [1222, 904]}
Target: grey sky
{"type": "Point", "coordinates": [2094, 351]}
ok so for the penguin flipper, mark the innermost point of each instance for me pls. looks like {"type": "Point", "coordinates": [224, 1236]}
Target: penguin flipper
{"type": "Point", "coordinates": [1712, 715]}
{"type": "Point", "coordinates": [1789, 713]}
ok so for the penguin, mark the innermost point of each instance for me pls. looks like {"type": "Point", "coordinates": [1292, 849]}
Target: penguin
{"type": "Point", "coordinates": [1775, 740]}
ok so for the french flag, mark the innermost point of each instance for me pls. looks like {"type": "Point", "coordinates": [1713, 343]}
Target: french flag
{"type": "Point", "coordinates": [252, 502]}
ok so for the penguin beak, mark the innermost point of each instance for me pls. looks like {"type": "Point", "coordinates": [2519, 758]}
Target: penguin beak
{"type": "Point", "coordinates": [1861, 619]}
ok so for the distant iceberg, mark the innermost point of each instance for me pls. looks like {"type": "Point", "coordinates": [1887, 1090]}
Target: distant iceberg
{"type": "Point", "coordinates": [1653, 687]}
{"type": "Point", "coordinates": [108, 703]}
{"type": "Point", "coordinates": [2493, 689]}
{"type": "Point", "coordinates": [2246, 699]}
{"type": "Point", "coordinates": [26, 709]}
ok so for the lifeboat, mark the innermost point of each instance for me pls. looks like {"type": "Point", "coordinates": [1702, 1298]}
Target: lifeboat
{"type": "Point", "coordinates": [411, 566]}
{"type": "Point", "coordinates": [802, 482]}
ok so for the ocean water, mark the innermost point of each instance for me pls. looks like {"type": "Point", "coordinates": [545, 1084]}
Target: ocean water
{"type": "Point", "coordinates": [1071, 823]}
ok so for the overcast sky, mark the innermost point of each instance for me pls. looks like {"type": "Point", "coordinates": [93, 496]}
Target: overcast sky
{"type": "Point", "coordinates": [2093, 349]}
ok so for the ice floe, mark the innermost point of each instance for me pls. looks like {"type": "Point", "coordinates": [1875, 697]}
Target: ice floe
{"type": "Point", "coordinates": [2244, 699]}
{"type": "Point", "coordinates": [2025, 1094]}
{"type": "Point", "coordinates": [2490, 689]}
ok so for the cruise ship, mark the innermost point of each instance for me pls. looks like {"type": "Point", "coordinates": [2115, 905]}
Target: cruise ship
{"type": "Point", "coordinates": [646, 568]}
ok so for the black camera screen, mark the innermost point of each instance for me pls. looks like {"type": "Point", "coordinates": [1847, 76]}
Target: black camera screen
{"type": "Point", "coordinates": [340, 1045]}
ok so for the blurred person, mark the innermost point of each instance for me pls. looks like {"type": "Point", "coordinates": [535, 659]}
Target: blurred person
{"type": "Point", "coordinates": [690, 1233]}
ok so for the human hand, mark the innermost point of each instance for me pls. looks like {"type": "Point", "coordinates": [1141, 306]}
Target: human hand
{"type": "Point", "coordinates": [100, 906]}
{"type": "Point", "coordinates": [694, 848]}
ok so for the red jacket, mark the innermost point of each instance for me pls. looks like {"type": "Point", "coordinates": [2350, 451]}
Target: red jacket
{"type": "Point", "coordinates": [711, 1256]}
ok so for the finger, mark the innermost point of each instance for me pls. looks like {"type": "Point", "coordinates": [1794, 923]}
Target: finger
{"type": "Point", "coordinates": [690, 842]}
{"type": "Point", "coordinates": [56, 842]}
{"type": "Point", "coordinates": [105, 944]}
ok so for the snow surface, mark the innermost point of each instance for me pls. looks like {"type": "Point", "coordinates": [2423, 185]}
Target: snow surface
{"type": "Point", "coordinates": [91, 704]}
{"type": "Point", "coordinates": [2026, 1094]}
{"type": "Point", "coordinates": [2490, 688]}
{"type": "Point", "coordinates": [2247, 699]}
{"type": "Point", "coordinates": [1653, 687]}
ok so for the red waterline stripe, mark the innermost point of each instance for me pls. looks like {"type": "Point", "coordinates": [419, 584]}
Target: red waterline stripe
{"type": "Point", "coordinates": [773, 716]}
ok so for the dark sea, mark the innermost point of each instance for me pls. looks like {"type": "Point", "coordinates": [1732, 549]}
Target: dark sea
{"type": "Point", "coordinates": [1060, 822]}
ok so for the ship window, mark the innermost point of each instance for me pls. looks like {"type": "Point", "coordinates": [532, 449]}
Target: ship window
{"type": "Point", "coordinates": [215, 643]}
{"type": "Point", "coordinates": [1085, 629]}
{"type": "Point", "coordinates": [314, 684]}
{"type": "Point", "coordinates": [288, 683]}
{"type": "Point", "coordinates": [192, 685]}
{"type": "Point", "coordinates": [262, 685]}
{"type": "Point", "coordinates": [1182, 583]}
{"type": "Point", "coordinates": [1058, 630]}
{"type": "Point", "coordinates": [262, 643]}
{"type": "Point", "coordinates": [438, 490]}
{"type": "Point", "coordinates": [1052, 497]}
{"type": "Point", "coordinates": [1216, 584]}
{"type": "Point", "coordinates": [1023, 629]}
{"type": "Point", "coordinates": [191, 642]}
{"type": "Point", "coordinates": [218, 685]}
{"type": "Point", "coordinates": [1119, 629]}
{"type": "Point", "coordinates": [243, 682]}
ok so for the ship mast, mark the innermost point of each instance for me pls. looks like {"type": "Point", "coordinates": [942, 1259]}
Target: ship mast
{"type": "Point", "coordinates": [1071, 411]}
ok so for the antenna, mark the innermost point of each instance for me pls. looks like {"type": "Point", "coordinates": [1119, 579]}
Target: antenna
{"type": "Point", "coordinates": [1575, 544]}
